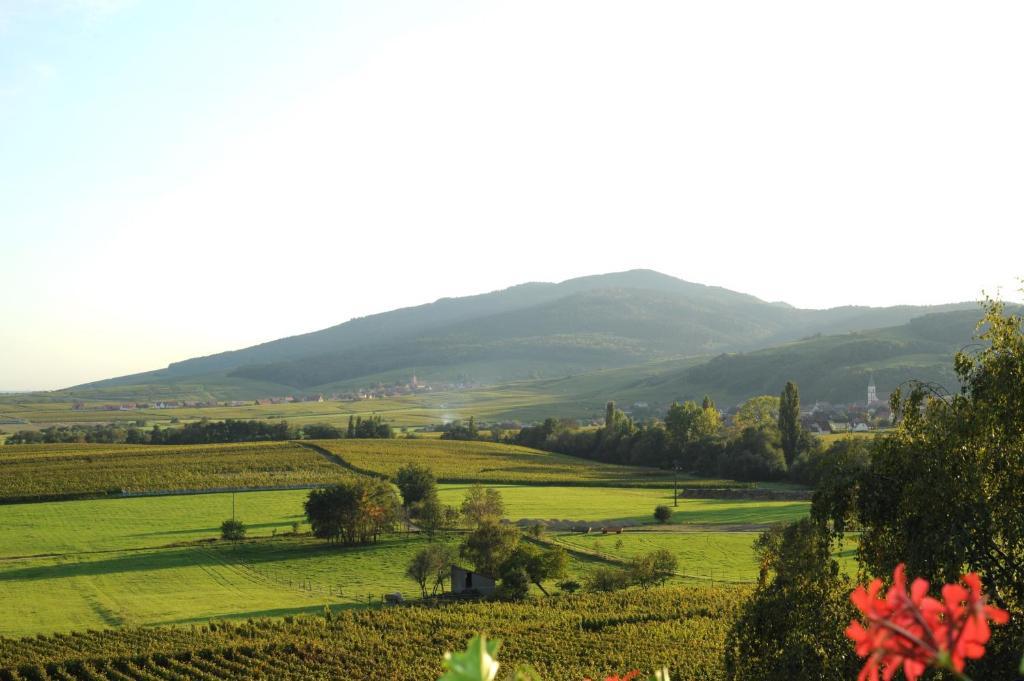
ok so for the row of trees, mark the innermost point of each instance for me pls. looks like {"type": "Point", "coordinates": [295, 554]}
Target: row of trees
{"type": "Point", "coordinates": [942, 494]}
{"type": "Point", "coordinates": [764, 442]}
{"type": "Point", "coordinates": [201, 432]}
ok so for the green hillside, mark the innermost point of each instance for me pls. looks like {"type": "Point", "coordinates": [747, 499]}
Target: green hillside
{"type": "Point", "coordinates": [828, 368]}
{"type": "Point", "coordinates": [535, 330]}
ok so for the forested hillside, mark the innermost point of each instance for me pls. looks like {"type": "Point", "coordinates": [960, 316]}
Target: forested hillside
{"type": "Point", "coordinates": [529, 331]}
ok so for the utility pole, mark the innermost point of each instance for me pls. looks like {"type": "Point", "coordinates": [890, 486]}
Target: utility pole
{"type": "Point", "coordinates": [232, 506]}
{"type": "Point", "coordinates": [675, 483]}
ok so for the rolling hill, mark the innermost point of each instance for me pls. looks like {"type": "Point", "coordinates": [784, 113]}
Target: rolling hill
{"type": "Point", "coordinates": [534, 330]}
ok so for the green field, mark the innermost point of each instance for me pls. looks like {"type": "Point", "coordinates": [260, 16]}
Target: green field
{"type": "Point", "coordinates": [111, 562]}
{"type": "Point", "coordinates": [70, 469]}
{"type": "Point", "coordinates": [611, 505]}
{"type": "Point", "coordinates": [54, 470]}
{"type": "Point", "coordinates": [488, 462]}
{"type": "Point", "coordinates": [710, 556]}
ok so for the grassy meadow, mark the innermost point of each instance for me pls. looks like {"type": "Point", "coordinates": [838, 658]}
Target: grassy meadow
{"type": "Point", "coordinates": [157, 560]}
{"type": "Point", "coordinates": [89, 564]}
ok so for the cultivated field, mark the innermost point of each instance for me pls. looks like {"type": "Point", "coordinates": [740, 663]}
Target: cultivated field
{"type": "Point", "coordinates": [488, 462]}
{"type": "Point", "coordinates": [84, 469]}
{"type": "Point", "coordinates": [566, 638]}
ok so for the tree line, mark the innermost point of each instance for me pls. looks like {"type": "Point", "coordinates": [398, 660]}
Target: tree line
{"type": "Point", "coordinates": [202, 432]}
{"type": "Point", "coordinates": [765, 440]}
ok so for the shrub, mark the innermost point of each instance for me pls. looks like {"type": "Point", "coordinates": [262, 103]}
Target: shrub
{"type": "Point", "coordinates": [232, 529]}
{"type": "Point", "coordinates": [607, 579]}
{"type": "Point", "coordinates": [662, 514]}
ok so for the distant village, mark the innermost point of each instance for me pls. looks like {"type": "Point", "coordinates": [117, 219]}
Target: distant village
{"type": "Point", "coordinates": [376, 392]}
{"type": "Point", "coordinates": [820, 417]}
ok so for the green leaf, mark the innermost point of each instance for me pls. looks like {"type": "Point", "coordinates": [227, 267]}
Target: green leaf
{"type": "Point", "coordinates": [476, 663]}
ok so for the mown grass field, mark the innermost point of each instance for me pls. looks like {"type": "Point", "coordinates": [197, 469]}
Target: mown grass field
{"type": "Point", "coordinates": [70, 469]}
{"type": "Point", "coordinates": [488, 462]}
{"type": "Point", "coordinates": [610, 505]}
{"type": "Point", "coordinates": [116, 562]}
{"type": "Point", "coordinates": [708, 556]}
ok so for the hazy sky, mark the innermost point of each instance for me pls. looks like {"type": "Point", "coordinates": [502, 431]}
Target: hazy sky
{"type": "Point", "coordinates": [180, 178]}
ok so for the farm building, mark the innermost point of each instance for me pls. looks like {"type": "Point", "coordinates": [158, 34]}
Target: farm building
{"type": "Point", "coordinates": [465, 581]}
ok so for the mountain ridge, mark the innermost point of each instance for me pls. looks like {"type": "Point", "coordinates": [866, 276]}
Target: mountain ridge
{"type": "Point", "coordinates": [577, 325]}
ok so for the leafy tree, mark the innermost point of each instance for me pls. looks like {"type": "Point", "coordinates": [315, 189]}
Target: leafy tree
{"type": "Point", "coordinates": [429, 567]}
{"type": "Point", "coordinates": [457, 430]}
{"type": "Point", "coordinates": [539, 565]}
{"type": "Point", "coordinates": [607, 579]}
{"type": "Point", "coordinates": [758, 412]}
{"type": "Point", "coordinates": [789, 421]}
{"type": "Point", "coordinates": [834, 474]}
{"type": "Point", "coordinates": [232, 529]}
{"type": "Point", "coordinates": [652, 568]}
{"type": "Point", "coordinates": [482, 505]}
{"type": "Point", "coordinates": [662, 513]}
{"type": "Point", "coordinates": [416, 483]}
{"type": "Point", "coordinates": [753, 455]}
{"type": "Point", "coordinates": [944, 492]}
{"type": "Point", "coordinates": [515, 585]}
{"type": "Point", "coordinates": [433, 517]}
{"type": "Point", "coordinates": [352, 512]}
{"type": "Point", "coordinates": [688, 422]}
{"type": "Point", "coordinates": [792, 626]}
{"type": "Point", "coordinates": [489, 546]}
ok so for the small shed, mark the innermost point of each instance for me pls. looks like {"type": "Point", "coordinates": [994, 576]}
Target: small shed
{"type": "Point", "coordinates": [468, 582]}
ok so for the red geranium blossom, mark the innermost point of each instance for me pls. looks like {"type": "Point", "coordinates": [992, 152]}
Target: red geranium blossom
{"type": "Point", "coordinates": [915, 630]}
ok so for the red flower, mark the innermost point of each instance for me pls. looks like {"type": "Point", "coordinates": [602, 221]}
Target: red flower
{"type": "Point", "coordinates": [914, 630]}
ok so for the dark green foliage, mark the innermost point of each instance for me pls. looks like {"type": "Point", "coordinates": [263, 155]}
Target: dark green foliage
{"type": "Point", "coordinates": [321, 431]}
{"type": "Point", "coordinates": [515, 584]}
{"type": "Point", "coordinates": [372, 427]}
{"type": "Point", "coordinates": [789, 422]}
{"type": "Point", "coordinates": [662, 514]}
{"type": "Point", "coordinates": [652, 568]}
{"type": "Point", "coordinates": [539, 565]}
{"type": "Point", "coordinates": [489, 546]}
{"type": "Point", "coordinates": [944, 493]}
{"type": "Point", "coordinates": [416, 483]}
{"type": "Point", "coordinates": [457, 430]}
{"type": "Point", "coordinates": [200, 432]}
{"type": "Point", "coordinates": [232, 529]}
{"type": "Point", "coordinates": [352, 512]}
{"type": "Point", "coordinates": [606, 579]}
{"type": "Point", "coordinates": [792, 626]}
{"type": "Point", "coordinates": [753, 455]}
{"type": "Point", "coordinates": [834, 474]}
